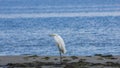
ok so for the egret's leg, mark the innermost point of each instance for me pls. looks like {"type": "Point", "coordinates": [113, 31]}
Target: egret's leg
{"type": "Point", "coordinates": [60, 57]}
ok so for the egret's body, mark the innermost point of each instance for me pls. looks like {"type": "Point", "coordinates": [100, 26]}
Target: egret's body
{"type": "Point", "coordinates": [60, 43]}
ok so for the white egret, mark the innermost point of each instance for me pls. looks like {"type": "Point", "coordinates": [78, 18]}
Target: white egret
{"type": "Point", "coordinates": [60, 43]}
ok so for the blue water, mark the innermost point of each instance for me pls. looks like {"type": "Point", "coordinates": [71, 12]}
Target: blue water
{"type": "Point", "coordinates": [83, 35]}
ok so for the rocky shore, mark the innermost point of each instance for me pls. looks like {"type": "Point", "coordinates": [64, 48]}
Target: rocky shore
{"type": "Point", "coordinates": [34, 61]}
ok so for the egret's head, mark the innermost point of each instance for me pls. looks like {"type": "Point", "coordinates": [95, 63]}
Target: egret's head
{"type": "Point", "coordinates": [52, 35]}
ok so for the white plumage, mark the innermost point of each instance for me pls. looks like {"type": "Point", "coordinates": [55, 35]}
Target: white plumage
{"type": "Point", "coordinates": [60, 43]}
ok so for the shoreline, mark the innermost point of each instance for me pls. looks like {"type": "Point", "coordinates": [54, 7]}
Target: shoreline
{"type": "Point", "coordinates": [99, 61]}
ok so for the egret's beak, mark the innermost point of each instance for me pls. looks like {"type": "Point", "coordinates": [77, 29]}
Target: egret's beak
{"type": "Point", "coordinates": [51, 35]}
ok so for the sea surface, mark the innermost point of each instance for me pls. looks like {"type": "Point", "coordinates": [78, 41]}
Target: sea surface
{"type": "Point", "coordinates": [88, 27]}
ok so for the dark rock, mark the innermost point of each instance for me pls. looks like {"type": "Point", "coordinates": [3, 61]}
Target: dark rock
{"type": "Point", "coordinates": [74, 57]}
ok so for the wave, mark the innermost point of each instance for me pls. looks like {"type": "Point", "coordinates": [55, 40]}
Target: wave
{"type": "Point", "coordinates": [46, 15]}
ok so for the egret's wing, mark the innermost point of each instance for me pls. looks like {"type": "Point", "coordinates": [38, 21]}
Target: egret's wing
{"type": "Point", "coordinates": [61, 44]}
